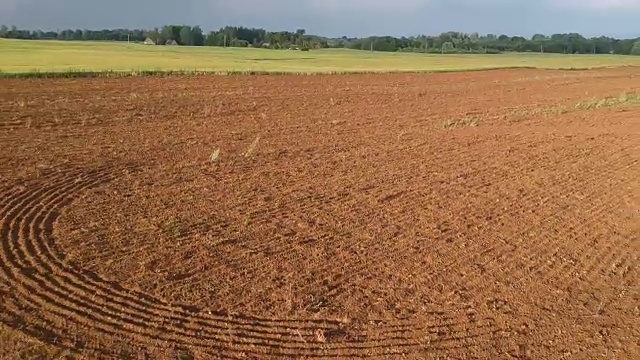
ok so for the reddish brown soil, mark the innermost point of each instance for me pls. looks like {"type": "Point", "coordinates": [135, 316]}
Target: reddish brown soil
{"type": "Point", "coordinates": [341, 218]}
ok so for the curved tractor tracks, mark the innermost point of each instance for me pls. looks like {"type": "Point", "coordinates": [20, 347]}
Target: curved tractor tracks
{"type": "Point", "coordinates": [69, 304]}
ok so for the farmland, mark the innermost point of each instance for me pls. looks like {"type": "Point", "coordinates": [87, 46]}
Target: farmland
{"type": "Point", "coordinates": [55, 56]}
{"type": "Point", "coordinates": [480, 215]}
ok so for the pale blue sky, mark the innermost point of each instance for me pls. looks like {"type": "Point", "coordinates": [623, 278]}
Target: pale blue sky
{"type": "Point", "coordinates": [338, 17]}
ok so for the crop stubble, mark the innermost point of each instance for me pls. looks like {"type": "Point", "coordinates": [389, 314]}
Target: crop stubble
{"type": "Point", "coordinates": [339, 218]}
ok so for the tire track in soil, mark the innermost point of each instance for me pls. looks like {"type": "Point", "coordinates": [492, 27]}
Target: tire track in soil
{"type": "Point", "coordinates": [544, 261]}
{"type": "Point", "coordinates": [268, 252]}
{"type": "Point", "coordinates": [377, 253]}
{"type": "Point", "coordinates": [37, 274]}
{"type": "Point", "coordinates": [36, 263]}
{"type": "Point", "coordinates": [391, 252]}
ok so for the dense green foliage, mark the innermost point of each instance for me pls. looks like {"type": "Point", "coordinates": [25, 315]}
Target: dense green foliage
{"type": "Point", "coordinates": [455, 42]}
{"type": "Point", "coordinates": [635, 50]}
{"type": "Point", "coordinates": [449, 42]}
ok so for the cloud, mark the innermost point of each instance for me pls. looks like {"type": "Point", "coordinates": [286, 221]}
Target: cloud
{"type": "Point", "coordinates": [335, 17]}
{"type": "Point", "coordinates": [8, 6]}
{"type": "Point", "coordinates": [599, 4]}
{"type": "Point", "coordinates": [368, 5]}
{"type": "Point", "coordinates": [317, 7]}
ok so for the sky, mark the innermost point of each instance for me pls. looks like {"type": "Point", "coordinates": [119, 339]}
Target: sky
{"type": "Point", "coordinates": [337, 17]}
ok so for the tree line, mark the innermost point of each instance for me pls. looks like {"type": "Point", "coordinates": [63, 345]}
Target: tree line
{"type": "Point", "coordinates": [231, 36]}
{"type": "Point", "coordinates": [456, 42]}
{"type": "Point", "coordinates": [448, 42]}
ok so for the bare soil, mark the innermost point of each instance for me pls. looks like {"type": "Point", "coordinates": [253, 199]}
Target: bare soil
{"type": "Point", "coordinates": [468, 215]}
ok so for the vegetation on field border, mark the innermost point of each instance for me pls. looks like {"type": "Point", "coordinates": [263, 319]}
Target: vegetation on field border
{"type": "Point", "coordinates": [623, 99]}
{"type": "Point", "coordinates": [112, 73]}
{"type": "Point", "coordinates": [36, 74]}
{"type": "Point", "coordinates": [447, 42]}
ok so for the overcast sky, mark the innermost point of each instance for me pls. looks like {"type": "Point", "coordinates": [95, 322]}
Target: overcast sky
{"type": "Point", "coordinates": [337, 17]}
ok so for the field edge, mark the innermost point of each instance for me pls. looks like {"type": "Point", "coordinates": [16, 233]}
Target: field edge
{"type": "Point", "coordinates": [160, 73]}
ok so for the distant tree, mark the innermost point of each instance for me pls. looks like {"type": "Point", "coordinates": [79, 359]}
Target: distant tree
{"type": "Point", "coordinates": [155, 36]}
{"type": "Point", "coordinates": [197, 38]}
{"type": "Point", "coordinates": [170, 32]}
{"type": "Point", "coordinates": [447, 47]}
{"type": "Point", "coordinates": [186, 36]}
{"type": "Point", "coordinates": [238, 43]}
{"type": "Point", "coordinates": [539, 37]}
{"type": "Point", "coordinates": [65, 35]}
{"type": "Point", "coordinates": [624, 46]}
{"type": "Point", "coordinates": [450, 41]}
{"type": "Point", "coordinates": [299, 37]}
{"type": "Point", "coordinates": [214, 39]}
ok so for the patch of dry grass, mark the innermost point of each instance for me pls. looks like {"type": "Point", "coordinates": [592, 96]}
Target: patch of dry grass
{"type": "Point", "coordinates": [471, 121]}
{"type": "Point", "coordinates": [624, 99]}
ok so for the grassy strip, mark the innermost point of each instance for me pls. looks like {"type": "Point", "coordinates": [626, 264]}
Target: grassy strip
{"type": "Point", "coordinates": [624, 99]}
{"type": "Point", "coordinates": [118, 74]}
{"type": "Point", "coordinates": [161, 73]}
{"type": "Point", "coordinates": [467, 121]}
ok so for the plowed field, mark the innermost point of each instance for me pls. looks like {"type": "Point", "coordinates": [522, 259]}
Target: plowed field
{"type": "Point", "coordinates": [468, 215]}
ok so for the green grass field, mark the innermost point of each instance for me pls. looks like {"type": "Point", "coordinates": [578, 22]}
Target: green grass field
{"type": "Point", "coordinates": [18, 56]}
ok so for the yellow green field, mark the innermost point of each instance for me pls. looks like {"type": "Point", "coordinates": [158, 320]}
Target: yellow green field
{"type": "Point", "coordinates": [18, 56]}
